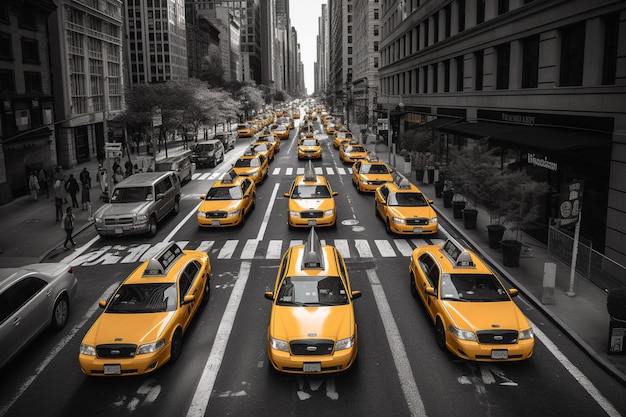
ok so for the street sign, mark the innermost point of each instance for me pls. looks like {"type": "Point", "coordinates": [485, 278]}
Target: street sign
{"type": "Point", "coordinates": [383, 124]}
{"type": "Point", "coordinates": [113, 150]}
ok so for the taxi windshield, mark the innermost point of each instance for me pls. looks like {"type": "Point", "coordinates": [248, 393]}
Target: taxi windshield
{"type": "Point", "coordinates": [247, 163]}
{"type": "Point", "coordinates": [132, 195]}
{"type": "Point", "coordinates": [309, 142]}
{"type": "Point", "coordinates": [310, 191]}
{"type": "Point", "coordinates": [472, 287]}
{"type": "Point", "coordinates": [144, 298]}
{"type": "Point", "coordinates": [374, 169]}
{"type": "Point", "coordinates": [224, 193]}
{"type": "Point", "coordinates": [407, 200]}
{"type": "Point", "coordinates": [305, 291]}
{"type": "Point", "coordinates": [355, 149]}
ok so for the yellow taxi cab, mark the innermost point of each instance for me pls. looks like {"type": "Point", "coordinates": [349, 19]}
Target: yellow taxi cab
{"type": "Point", "coordinates": [265, 149]}
{"type": "Point", "coordinates": [340, 137]}
{"type": "Point", "coordinates": [312, 328]}
{"type": "Point", "coordinates": [268, 137]}
{"type": "Point", "coordinates": [144, 321]}
{"type": "Point", "coordinates": [245, 130]}
{"type": "Point", "coordinates": [295, 114]}
{"type": "Point", "coordinates": [309, 147]}
{"type": "Point", "coordinates": [330, 128]}
{"type": "Point", "coordinates": [311, 200]}
{"type": "Point", "coordinates": [227, 202]}
{"type": "Point", "coordinates": [404, 209]}
{"type": "Point", "coordinates": [256, 125]}
{"type": "Point", "coordinates": [352, 151]}
{"type": "Point", "coordinates": [280, 131]}
{"type": "Point", "coordinates": [370, 173]}
{"type": "Point", "coordinates": [252, 165]}
{"type": "Point", "coordinates": [474, 315]}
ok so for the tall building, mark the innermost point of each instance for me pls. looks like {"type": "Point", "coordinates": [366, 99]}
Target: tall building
{"type": "Point", "coordinates": [251, 49]}
{"type": "Point", "coordinates": [157, 41]}
{"type": "Point", "coordinates": [322, 65]}
{"type": "Point", "coordinates": [26, 121]}
{"type": "Point", "coordinates": [341, 13]}
{"type": "Point", "coordinates": [543, 81]}
{"type": "Point", "coordinates": [201, 35]}
{"type": "Point", "coordinates": [86, 57]}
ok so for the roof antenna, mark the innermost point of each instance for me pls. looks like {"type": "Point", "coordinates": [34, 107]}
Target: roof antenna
{"type": "Point", "coordinates": [309, 172]}
{"type": "Point", "coordinates": [312, 258]}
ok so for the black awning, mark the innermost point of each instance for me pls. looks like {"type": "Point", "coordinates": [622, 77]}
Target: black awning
{"type": "Point", "coordinates": [549, 139]}
{"type": "Point", "coordinates": [440, 122]}
{"type": "Point", "coordinates": [476, 130]}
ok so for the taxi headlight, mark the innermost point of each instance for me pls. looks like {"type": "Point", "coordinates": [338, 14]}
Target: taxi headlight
{"type": "Point", "coordinates": [398, 220]}
{"type": "Point", "coordinates": [255, 174]}
{"type": "Point", "coordinates": [233, 213]}
{"type": "Point", "coordinates": [462, 334]}
{"type": "Point", "coordinates": [346, 343]}
{"type": "Point", "coordinates": [87, 350]}
{"type": "Point", "coordinates": [526, 334]}
{"type": "Point", "coordinates": [278, 344]}
{"type": "Point", "coordinates": [434, 220]}
{"type": "Point", "coordinates": [151, 347]}
{"type": "Point", "coordinates": [201, 214]}
{"type": "Point", "coordinates": [329, 212]}
{"type": "Point", "coordinates": [294, 213]}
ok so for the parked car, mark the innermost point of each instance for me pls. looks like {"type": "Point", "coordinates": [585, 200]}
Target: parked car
{"type": "Point", "coordinates": [210, 153]}
{"type": "Point", "coordinates": [138, 203]}
{"type": "Point", "coordinates": [144, 321]}
{"type": "Point", "coordinates": [181, 164]}
{"type": "Point", "coordinates": [33, 298]}
{"type": "Point", "coordinates": [228, 140]}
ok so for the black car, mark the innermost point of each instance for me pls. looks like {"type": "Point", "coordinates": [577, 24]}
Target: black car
{"type": "Point", "coordinates": [208, 153]}
{"type": "Point", "coordinates": [227, 139]}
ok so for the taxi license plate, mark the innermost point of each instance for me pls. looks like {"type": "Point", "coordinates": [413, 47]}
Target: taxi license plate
{"type": "Point", "coordinates": [417, 230]}
{"type": "Point", "coordinates": [215, 222]}
{"type": "Point", "coordinates": [312, 367]}
{"type": "Point", "coordinates": [112, 370]}
{"type": "Point", "coordinates": [119, 231]}
{"type": "Point", "coordinates": [312, 222]}
{"type": "Point", "coordinates": [499, 354]}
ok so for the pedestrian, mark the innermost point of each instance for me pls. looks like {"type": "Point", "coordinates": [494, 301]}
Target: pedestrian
{"type": "Point", "coordinates": [60, 175]}
{"type": "Point", "coordinates": [68, 225]}
{"type": "Point", "coordinates": [85, 181]}
{"type": "Point", "coordinates": [33, 184]}
{"type": "Point", "coordinates": [129, 168]}
{"type": "Point", "coordinates": [72, 188]}
{"type": "Point", "coordinates": [43, 182]}
{"type": "Point", "coordinates": [102, 179]}
{"type": "Point", "coordinates": [57, 188]}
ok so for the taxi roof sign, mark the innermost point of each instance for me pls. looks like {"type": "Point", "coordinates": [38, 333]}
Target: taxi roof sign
{"type": "Point", "coordinates": [457, 254]}
{"type": "Point", "coordinates": [162, 261]}
{"type": "Point", "coordinates": [313, 257]}
{"type": "Point", "coordinates": [309, 172]}
{"type": "Point", "coordinates": [401, 181]}
{"type": "Point", "coordinates": [229, 176]}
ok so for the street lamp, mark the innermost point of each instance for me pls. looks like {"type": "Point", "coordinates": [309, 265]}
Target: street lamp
{"type": "Point", "coordinates": [390, 144]}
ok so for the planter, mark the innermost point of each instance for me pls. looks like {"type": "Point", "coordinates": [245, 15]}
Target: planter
{"type": "Point", "coordinates": [511, 250]}
{"type": "Point", "coordinates": [457, 209]}
{"type": "Point", "coordinates": [617, 334]}
{"type": "Point", "coordinates": [447, 198]}
{"type": "Point", "coordinates": [495, 233]}
{"type": "Point", "coordinates": [438, 189]}
{"type": "Point", "coordinates": [469, 218]}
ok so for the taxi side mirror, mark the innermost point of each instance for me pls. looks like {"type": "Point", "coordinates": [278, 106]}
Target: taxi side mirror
{"type": "Point", "coordinates": [356, 294]}
{"type": "Point", "coordinates": [189, 298]}
{"type": "Point", "coordinates": [102, 303]}
{"type": "Point", "coordinates": [202, 196]}
{"type": "Point", "coordinates": [430, 201]}
{"type": "Point", "coordinates": [335, 193]}
{"type": "Point", "coordinates": [286, 195]}
{"type": "Point", "coordinates": [269, 295]}
{"type": "Point", "coordinates": [513, 292]}
{"type": "Point", "coordinates": [429, 291]}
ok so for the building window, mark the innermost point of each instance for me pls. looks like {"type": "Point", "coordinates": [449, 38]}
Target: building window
{"type": "Point", "coordinates": [26, 18]}
{"type": "Point", "coordinates": [4, 12]}
{"type": "Point", "coordinates": [32, 81]}
{"type": "Point", "coordinates": [425, 79]}
{"type": "Point", "coordinates": [435, 68]}
{"type": "Point", "coordinates": [6, 49]}
{"type": "Point", "coordinates": [436, 28]}
{"type": "Point", "coordinates": [376, 30]}
{"type": "Point", "coordinates": [448, 20]}
{"type": "Point", "coordinates": [480, 11]}
{"type": "Point", "coordinates": [460, 72]}
{"type": "Point", "coordinates": [572, 55]}
{"type": "Point", "coordinates": [30, 51]}
{"type": "Point", "coordinates": [375, 45]}
{"type": "Point", "coordinates": [502, 66]}
{"type": "Point", "coordinates": [425, 24]}
{"type": "Point", "coordinates": [503, 6]}
{"type": "Point", "coordinates": [461, 4]}
{"type": "Point", "coordinates": [7, 80]}
{"type": "Point", "coordinates": [611, 35]}
{"type": "Point", "coordinates": [530, 63]}
{"type": "Point", "coordinates": [376, 16]}
{"type": "Point", "coordinates": [478, 70]}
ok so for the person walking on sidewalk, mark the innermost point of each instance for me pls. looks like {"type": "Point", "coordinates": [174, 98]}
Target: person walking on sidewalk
{"type": "Point", "coordinates": [59, 175]}
{"type": "Point", "coordinates": [85, 180]}
{"type": "Point", "coordinates": [42, 176]}
{"type": "Point", "coordinates": [57, 188]}
{"type": "Point", "coordinates": [68, 226]}
{"type": "Point", "coordinates": [72, 188]}
{"type": "Point", "coordinates": [33, 184]}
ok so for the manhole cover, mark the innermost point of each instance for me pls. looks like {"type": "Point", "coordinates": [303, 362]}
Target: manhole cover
{"type": "Point", "coordinates": [350, 222]}
{"type": "Point", "coordinates": [358, 229]}
{"type": "Point", "coordinates": [31, 221]}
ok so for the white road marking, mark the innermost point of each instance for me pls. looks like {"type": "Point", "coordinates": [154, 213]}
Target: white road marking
{"type": "Point", "coordinates": [385, 248]}
{"type": "Point", "coordinates": [403, 247]}
{"type": "Point", "coordinates": [206, 245]}
{"type": "Point", "coordinates": [249, 249]}
{"type": "Point", "coordinates": [228, 249]}
{"type": "Point", "coordinates": [363, 248]}
{"type": "Point", "coordinates": [201, 397]}
{"type": "Point", "coordinates": [343, 247]}
{"type": "Point", "coordinates": [400, 358]}
{"type": "Point", "coordinates": [274, 249]}
{"type": "Point", "coordinates": [268, 212]}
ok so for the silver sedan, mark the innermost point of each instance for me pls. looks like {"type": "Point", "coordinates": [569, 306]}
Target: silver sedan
{"type": "Point", "coordinates": [33, 298]}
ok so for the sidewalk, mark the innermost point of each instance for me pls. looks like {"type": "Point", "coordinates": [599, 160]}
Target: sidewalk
{"type": "Point", "coordinates": [583, 317]}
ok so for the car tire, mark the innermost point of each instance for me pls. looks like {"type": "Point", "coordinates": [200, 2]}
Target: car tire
{"type": "Point", "coordinates": [242, 223]}
{"type": "Point", "coordinates": [412, 284]}
{"type": "Point", "coordinates": [176, 345]}
{"type": "Point", "coordinates": [440, 334]}
{"type": "Point", "coordinates": [152, 226]}
{"type": "Point", "coordinates": [388, 226]}
{"type": "Point", "coordinates": [253, 206]}
{"type": "Point", "coordinates": [60, 313]}
{"type": "Point", "coordinates": [176, 206]}
{"type": "Point", "coordinates": [207, 290]}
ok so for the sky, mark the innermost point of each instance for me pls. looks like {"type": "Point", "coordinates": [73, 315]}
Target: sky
{"type": "Point", "coordinates": [304, 15]}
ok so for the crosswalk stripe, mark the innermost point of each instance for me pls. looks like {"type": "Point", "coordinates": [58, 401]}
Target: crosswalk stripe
{"type": "Point", "coordinates": [342, 171]}
{"type": "Point", "coordinates": [363, 248]}
{"type": "Point", "coordinates": [295, 243]}
{"type": "Point", "coordinates": [385, 248]}
{"type": "Point", "coordinates": [274, 249]}
{"type": "Point", "coordinates": [403, 246]}
{"type": "Point", "coordinates": [249, 249]}
{"type": "Point", "coordinates": [318, 171]}
{"type": "Point", "coordinates": [228, 250]}
{"type": "Point", "coordinates": [206, 245]}
{"type": "Point", "coordinates": [276, 171]}
{"type": "Point", "coordinates": [289, 171]}
{"type": "Point", "coordinates": [343, 247]}
{"type": "Point", "coordinates": [330, 171]}
{"type": "Point", "coordinates": [299, 171]}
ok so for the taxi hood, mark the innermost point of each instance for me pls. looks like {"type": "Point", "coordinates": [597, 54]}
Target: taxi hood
{"type": "Point", "coordinates": [292, 323]}
{"type": "Point", "coordinates": [137, 328]}
{"type": "Point", "coordinates": [477, 316]}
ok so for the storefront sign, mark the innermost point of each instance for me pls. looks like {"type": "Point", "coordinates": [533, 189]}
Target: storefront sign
{"type": "Point", "coordinates": [543, 163]}
{"type": "Point", "coordinates": [571, 202]}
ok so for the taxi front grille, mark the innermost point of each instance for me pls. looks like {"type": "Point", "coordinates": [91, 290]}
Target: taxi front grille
{"type": "Point", "coordinates": [312, 347]}
{"type": "Point", "coordinates": [118, 221]}
{"type": "Point", "coordinates": [116, 351]}
{"type": "Point", "coordinates": [376, 182]}
{"type": "Point", "coordinates": [312, 214]}
{"type": "Point", "coordinates": [497, 337]}
{"type": "Point", "coordinates": [216, 215]}
{"type": "Point", "coordinates": [417, 221]}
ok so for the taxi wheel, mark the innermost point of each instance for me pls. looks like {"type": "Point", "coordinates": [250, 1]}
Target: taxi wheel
{"type": "Point", "coordinates": [60, 313]}
{"type": "Point", "coordinates": [176, 206]}
{"type": "Point", "coordinates": [176, 345]}
{"type": "Point", "coordinates": [207, 291]}
{"type": "Point", "coordinates": [440, 334]}
{"type": "Point", "coordinates": [413, 287]}
{"type": "Point", "coordinates": [243, 219]}
{"type": "Point", "coordinates": [388, 227]}
{"type": "Point", "coordinates": [252, 207]}
{"type": "Point", "coordinates": [152, 226]}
